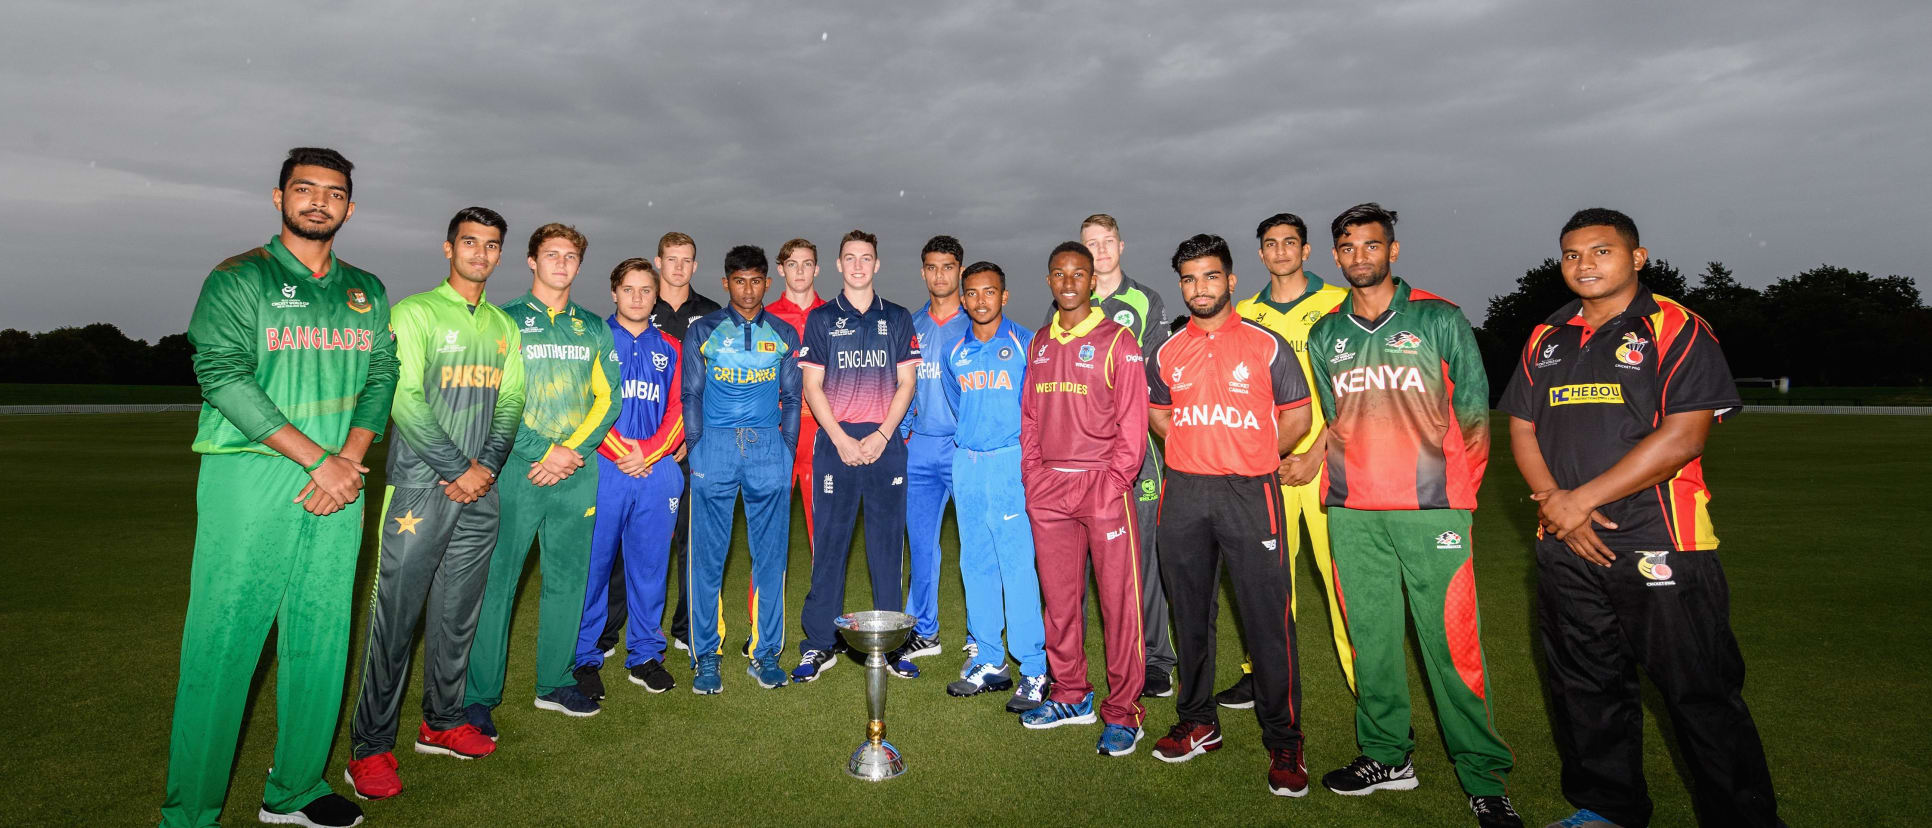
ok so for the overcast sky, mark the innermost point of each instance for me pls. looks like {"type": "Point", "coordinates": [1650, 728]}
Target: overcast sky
{"type": "Point", "coordinates": [141, 140]}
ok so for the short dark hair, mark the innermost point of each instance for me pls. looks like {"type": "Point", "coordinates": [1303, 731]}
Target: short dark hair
{"type": "Point", "coordinates": [746, 257]}
{"type": "Point", "coordinates": [1367, 212]}
{"type": "Point", "coordinates": [1202, 245]}
{"type": "Point", "coordinates": [1279, 219]}
{"type": "Point", "coordinates": [859, 235]}
{"type": "Point", "coordinates": [1603, 217]}
{"type": "Point", "coordinates": [943, 244]}
{"type": "Point", "coordinates": [1070, 247]}
{"type": "Point", "coordinates": [977, 268]}
{"type": "Point", "coordinates": [627, 266]}
{"type": "Point", "coordinates": [323, 157]}
{"type": "Point", "coordinates": [479, 215]}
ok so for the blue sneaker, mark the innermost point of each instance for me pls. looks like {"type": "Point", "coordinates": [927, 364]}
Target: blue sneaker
{"type": "Point", "coordinates": [569, 701]}
{"type": "Point", "coordinates": [812, 664]}
{"type": "Point", "coordinates": [707, 682]}
{"type": "Point", "coordinates": [479, 716]}
{"type": "Point", "coordinates": [1030, 693]}
{"type": "Point", "coordinates": [767, 672]}
{"type": "Point", "coordinates": [1118, 740]}
{"type": "Point", "coordinates": [1584, 818]}
{"type": "Point", "coordinates": [1055, 714]}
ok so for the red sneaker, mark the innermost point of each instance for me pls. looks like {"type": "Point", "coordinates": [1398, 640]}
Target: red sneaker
{"type": "Point", "coordinates": [1186, 741]}
{"type": "Point", "coordinates": [1287, 774]}
{"type": "Point", "coordinates": [463, 741]}
{"type": "Point", "coordinates": [374, 777]}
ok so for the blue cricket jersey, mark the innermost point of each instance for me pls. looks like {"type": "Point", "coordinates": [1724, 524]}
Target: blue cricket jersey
{"type": "Point", "coordinates": [983, 383]}
{"type": "Point", "coordinates": [740, 373]}
{"type": "Point", "coordinates": [648, 374]}
{"type": "Point", "coordinates": [930, 414]}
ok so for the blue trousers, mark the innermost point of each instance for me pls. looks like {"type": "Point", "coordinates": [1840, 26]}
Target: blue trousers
{"type": "Point", "coordinates": [725, 463]}
{"type": "Point", "coordinates": [996, 559]}
{"type": "Point", "coordinates": [929, 483]}
{"type": "Point", "coordinates": [881, 488]}
{"type": "Point", "coordinates": [635, 519]}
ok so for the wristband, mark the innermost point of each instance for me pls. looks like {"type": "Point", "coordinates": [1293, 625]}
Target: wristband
{"type": "Point", "coordinates": [310, 468]}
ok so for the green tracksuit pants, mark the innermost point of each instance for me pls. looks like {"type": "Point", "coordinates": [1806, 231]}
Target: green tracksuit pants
{"type": "Point", "coordinates": [560, 518]}
{"type": "Point", "coordinates": [435, 562]}
{"type": "Point", "coordinates": [260, 560]}
{"type": "Point", "coordinates": [1379, 558]}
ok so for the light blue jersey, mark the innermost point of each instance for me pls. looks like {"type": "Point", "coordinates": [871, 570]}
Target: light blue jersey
{"type": "Point", "coordinates": [930, 415]}
{"type": "Point", "coordinates": [983, 382]}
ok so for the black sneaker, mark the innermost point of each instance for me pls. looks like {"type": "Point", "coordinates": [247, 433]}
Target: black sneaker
{"type": "Point", "coordinates": [1494, 812]}
{"type": "Point", "coordinates": [569, 701]}
{"type": "Point", "coordinates": [652, 676]}
{"type": "Point", "coordinates": [1159, 684]}
{"type": "Point", "coordinates": [1239, 695]}
{"type": "Point", "coordinates": [479, 716]}
{"type": "Point", "coordinates": [839, 647]}
{"type": "Point", "coordinates": [590, 681]}
{"type": "Point", "coordinates": [812, 664]}
{"type": "Point", "coordinates": [746, 650]}
{"type": "Point", "coordinates": [920, 646]}
{"type": "Point", "coordinates": [326, 811]}
{"type": "Point", "coordinates": [899, 665]}
{"type": "Point", "coordinates": [1365, 776]}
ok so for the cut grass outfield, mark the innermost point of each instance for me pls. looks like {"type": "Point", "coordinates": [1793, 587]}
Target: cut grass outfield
{"type": "Point", "coordinates": [1823, 521]}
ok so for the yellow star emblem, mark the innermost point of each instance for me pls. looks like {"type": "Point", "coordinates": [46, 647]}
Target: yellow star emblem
{"type": "Point", "coordinates": [502, 345]}
{"type": "Point", "coordinates": [407, 523]}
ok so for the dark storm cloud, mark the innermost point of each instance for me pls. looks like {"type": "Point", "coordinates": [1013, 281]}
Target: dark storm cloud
{"type": "Point", "coordinates": [141, 139]}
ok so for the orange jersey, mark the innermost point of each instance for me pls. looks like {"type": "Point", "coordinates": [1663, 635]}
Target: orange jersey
{"type": "Point", "coordinates": [1225, 388]}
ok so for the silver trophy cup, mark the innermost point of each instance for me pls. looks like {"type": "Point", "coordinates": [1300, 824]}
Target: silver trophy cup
{"type": "Point", "coordinates": [876, 632]}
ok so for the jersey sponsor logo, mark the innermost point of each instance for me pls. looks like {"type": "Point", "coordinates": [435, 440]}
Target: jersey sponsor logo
{"type": "Point", "coordinates": [450, 344]}
{"type": "Point", "coordinates": [660, 360]}
{"type": "Point", "coordinates": [1117, 533]}
{"type": "Point", "coordinates": [288, 299]}
{"type": "Point", "coordinates": [1215, 415]}
{"type": "Point", "coordinates": [743, 376]}
{"type": "Point", "coordinates": [1378, 378]}
{"type": "Point", "coordinates": [1403, 342]}
{"type": "Point", "coordinates": [1448, 540]}
{"type": "Point", "coordinates": [1342, 353]}
{"type": "Point", "coordinates": [985, 380]}
{"type": "Point", "coordinates": [803, 351]}
{"type": "Point", "coordinates": [1086, 352]}
{"type": "Point", "coordinates": [545, 350]}
{"type": "Point", "coordinates": [1125, 318]}
{"type": "Point", "coordinates": [472, 376]}
{"type": "Point", "coordinates": [611, 355]}
{"type": "Point", "coordinates": [1133, 357]}
{"type": "Point", "coordinates": [643, 390]}
{"type": "Point", "coordinates": [1268, 544]}
{"type": "Point", "coordinates": [873, 358]}
{"type": "Point", "coordinates": [358, 301]}
{"type": "Point", "coordinates": [1631, 351]}
{"type": "Point", "coordinates": [1586, 393]}
{"type": "Point", "coordinates": [897, 481]}
{"type": "Point", "coordinates": [1654, 569]}
{"type": "Point", "coordinates": [306, 338]}
{"type": "Point", "coordinates": [1060, 387]}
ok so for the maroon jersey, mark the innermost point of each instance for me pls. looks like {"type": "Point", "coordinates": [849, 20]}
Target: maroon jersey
{"type": "Point", "coordinates": [1085, 402]}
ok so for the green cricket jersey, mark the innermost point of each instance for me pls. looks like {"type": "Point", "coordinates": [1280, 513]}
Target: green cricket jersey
{"type": "Point", "coordinates": [1407, 404]}
{"type": "Point", "coordinates": [276, 344]}
{"type": "Point", "coordinates": [569, 368]}
{"type": "Point", "coordinates": [460, 395]}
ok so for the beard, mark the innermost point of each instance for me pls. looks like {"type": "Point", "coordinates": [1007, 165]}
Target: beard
{"type": "Point", "coordinates": [1214, 310]}
{"type": "Point", "coordinates": [303, 231]}
{"type": "Point", "coordinates": [1374, 278]}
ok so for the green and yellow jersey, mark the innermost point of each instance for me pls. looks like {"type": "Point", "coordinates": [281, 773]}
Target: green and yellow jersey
{"type": "Point", "coordinates": [460, 394]}
{"type": "Point", "coordinates": [1291, 321]}
{"type": "Point", "coordinates": [276, 344]}
{"type": "Point", "coordinates": [569, 366]}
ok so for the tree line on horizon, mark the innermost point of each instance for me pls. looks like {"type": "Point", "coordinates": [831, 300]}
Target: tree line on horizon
{"type": "Point", "coordinates": [1827, 326]}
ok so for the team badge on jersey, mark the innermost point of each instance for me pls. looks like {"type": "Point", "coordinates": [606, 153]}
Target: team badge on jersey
{"type": "Point", "coordinates": [1403, 342]}
{"type": "Point", "coordinates": [883, 331]}
{"type": "Point", "coordinates": [1311, 317]}
{"type": "Point", "coordinates": [576, 326]}
{"type": "Point", "coordinates": [1448, 540]}
{"type": "Point", "coordinates": [1006, 353]}
{"type": "Point", "coordinates": [1631, 352]}
{"type": "Point", "coordinates": [1086, 352]}
{"type": "Point", "coordinates": [1653, 567]}
{"type": "Point", "coordinates": [1149, 491]}
{"type": "Point", "coordinates": [768, 347]}
{"type": "Point", "coordinates": [659, 361]}
{"type": "Point", "coordinates": [358, 301]}
{"type": "Point", "coordinates": [1125, 318]}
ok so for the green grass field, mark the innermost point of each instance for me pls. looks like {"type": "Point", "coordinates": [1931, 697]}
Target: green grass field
{"type": "Point", "coordinates": [24, 393]}
{"type": "Point", "coordinates": [1825, 542]}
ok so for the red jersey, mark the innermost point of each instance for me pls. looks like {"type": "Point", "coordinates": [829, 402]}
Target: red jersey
{"type": "Point", "coordinates": [1225, 387]}
{"type": "Point", "coordinates": [793, 315]}
{"type": "Point", "coordinates": [1085, 401]}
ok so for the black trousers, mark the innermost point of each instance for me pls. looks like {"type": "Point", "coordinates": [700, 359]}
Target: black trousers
{"type": "Point", "coordinates": [680, 557]}
{"type": "Point", "coordinates": [1205, 523]}
{"type": "Point", "coordinates": [1669, 613]}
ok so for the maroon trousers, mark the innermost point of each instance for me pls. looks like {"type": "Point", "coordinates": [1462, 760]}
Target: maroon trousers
{"type": "Point", "coordinates": [1077, 517]}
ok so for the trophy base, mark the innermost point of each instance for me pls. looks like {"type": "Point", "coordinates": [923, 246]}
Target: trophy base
{"type": "Point", "coordinates": [876, 762]}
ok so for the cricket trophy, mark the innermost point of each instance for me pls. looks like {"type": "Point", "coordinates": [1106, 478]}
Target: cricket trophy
{"type": "Point", "coordinates": [876, 632]}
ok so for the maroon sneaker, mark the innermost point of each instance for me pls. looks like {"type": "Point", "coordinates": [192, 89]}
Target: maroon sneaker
{"type": "Point", "coordinates": [1186, 741]}
{"type": "Point", "coordinates": [1287, 774]}
{"type": "Point", "coordinates": [374, 777]}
